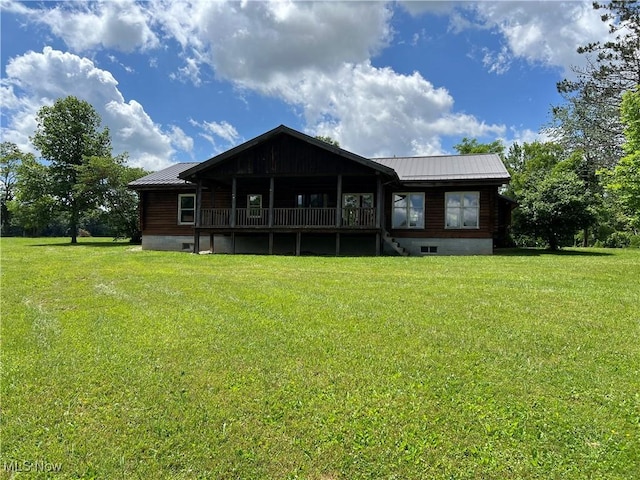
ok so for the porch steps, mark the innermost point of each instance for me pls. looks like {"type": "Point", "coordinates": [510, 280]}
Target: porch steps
{"type": "Point", "coordinates": [394, 244]}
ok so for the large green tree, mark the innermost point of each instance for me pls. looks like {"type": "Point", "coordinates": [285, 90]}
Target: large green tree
{"type": "Point", "coordinates": [554, 207]}
{"type": "Point", "coordinates": [554, 201]}
{"type": "Point", "coordinates": [68, 135]}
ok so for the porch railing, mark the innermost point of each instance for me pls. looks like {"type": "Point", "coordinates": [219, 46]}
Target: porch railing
{"type": "Point", "coordinates": [288, 217]}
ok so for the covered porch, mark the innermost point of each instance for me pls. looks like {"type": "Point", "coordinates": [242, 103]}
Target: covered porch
{"type": "Point", "coordinates": [291, 207]}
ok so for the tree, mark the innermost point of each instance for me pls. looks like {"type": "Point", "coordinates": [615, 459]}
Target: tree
{"type": "Point", "coordinates": [589, 120]}
{"type": "Point", "coordinates": [468, 146]}
{"type": "Point", "coordinates": [33, 208]}
{"type": "Point", "coordinates": [553, 207]}
{"type": "Point", "coordinates": [624, 180]}
{"type": "Point", "coordinates": [107, 178]}
{"type": "Point", "coordinates": [68, 135]}
{"type": "Point", "coordinates": [551, 195]}
{"type": "Point", "coordinates": [10, 160]}
{"type": "Point", "coordinates": [329, 140]}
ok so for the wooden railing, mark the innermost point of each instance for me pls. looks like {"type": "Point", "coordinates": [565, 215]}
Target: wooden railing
{"type": "Point", "coordinates": [288, 217]}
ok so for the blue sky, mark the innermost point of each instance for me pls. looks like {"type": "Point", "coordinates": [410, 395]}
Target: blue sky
{"type": "Point", "coordinates": [184, 81]}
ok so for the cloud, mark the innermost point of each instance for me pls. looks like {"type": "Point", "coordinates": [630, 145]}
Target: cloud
{"type": "Point", "coordinates": [123, 24]}
{"type": "Point", "coordinates": [316, 57]}
{"type": "Point", "coordinates": [541, 34]}
{"type": "Point", "coordinates": [378, 112]}
{"type": "Point", "coordinates": [221, 130]}
{"type": "Point", "coordinates": [252, 42]}
{"type": "Point", "coordinates": [36, 79]}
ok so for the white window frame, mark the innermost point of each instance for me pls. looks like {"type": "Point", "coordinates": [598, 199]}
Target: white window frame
{"type": "Point", "coordinates": [408, 226]}
{"type": "Point", "coordinates": [460, 211]}
{"type": "Point", "coordinates": [180, 209]}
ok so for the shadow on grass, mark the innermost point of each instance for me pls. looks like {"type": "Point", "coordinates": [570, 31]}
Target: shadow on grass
{"type": "Point", "coordinates": [103, 244]}
{"type": "Point", "coordinates": [536, 252]}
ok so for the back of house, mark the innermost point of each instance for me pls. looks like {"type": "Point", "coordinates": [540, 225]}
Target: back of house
{"type": "Point", "coordinates": [285, 192]}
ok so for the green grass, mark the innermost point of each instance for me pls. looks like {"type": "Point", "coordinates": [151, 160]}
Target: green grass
{"type": "Point", "coordinates": [121, 363]}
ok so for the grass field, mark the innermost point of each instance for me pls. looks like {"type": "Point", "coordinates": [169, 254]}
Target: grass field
{"type": "Point", "coordinates": [122, 363]}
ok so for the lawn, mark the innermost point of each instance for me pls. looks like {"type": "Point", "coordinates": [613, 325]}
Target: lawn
{"type": "Point", "coordinates": [122, 363]}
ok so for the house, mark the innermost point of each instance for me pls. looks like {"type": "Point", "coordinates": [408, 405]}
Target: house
{"type": "Point", "coordinates": [285, 192]}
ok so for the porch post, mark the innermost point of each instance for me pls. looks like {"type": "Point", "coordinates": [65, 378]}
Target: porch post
{"type": "Point", "coordinates": [298, 242]}
{"type": "Point", "coordinates": [270, 243]}
{"type": "Point", "coordinates": [233, 202]}
{"type": "Point", "coordinates": [379, 203]}
{"type": "Point", "coordinates": [339, 202]}
{"type": "Point", "coordinates": [211, 249]}
{"type": "Point", "coordinates": [196, 227]}
{"type": "Point", "coordinates": [271, 196]}
{"type": "Point", "coordinates": [337, 244]}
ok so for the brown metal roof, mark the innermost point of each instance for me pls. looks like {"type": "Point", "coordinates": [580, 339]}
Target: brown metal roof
{"type": "Point", "coordinates": [166, 177]}
{"type": "Point", "coordinates": [486, 167]}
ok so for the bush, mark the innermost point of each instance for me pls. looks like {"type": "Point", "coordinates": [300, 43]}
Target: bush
{"type": "Point", "coordinates": [618, 240]}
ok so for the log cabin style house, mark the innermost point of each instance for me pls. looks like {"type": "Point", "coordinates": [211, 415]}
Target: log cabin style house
{"type": "Point", "coordinates": [285, 192]}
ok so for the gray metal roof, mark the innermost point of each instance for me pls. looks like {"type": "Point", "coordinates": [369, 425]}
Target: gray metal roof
{"type": "Point", "coordinates": [168, 176]}
{"type": "Point", "coordinates": [481, 167]}
{"type": "Point", "coordinates": [486, 167]}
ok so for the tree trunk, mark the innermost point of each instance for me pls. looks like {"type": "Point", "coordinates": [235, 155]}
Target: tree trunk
{"type": "Point", "coordinates": [585, 237]}
{"type": "Point", "coordinates": [74, 223]}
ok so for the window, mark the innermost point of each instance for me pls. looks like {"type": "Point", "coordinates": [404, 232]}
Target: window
{"type": "Point", "coordinates": [408, 210]}
{"type": "Point", "coordinates": [254, 205]}
{"type": "Point", "coordinates": [186, 209]}
{"type": "Point", "coordinates": [462, 209]}
{"type": "Point", "coordinates": [357, 200]}
{"type": "Point", "coordinates": [357, 209]}
{"type": "Point", "coordinates": [312, 200]}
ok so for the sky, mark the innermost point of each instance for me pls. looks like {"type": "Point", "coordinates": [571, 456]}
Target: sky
{"type": "Point", "coordinates": [184, 81]}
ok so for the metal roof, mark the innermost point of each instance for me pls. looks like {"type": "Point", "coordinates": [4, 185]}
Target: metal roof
{"type": "Point", "coordinates": [485, 167]}
{"type": "Point", "coordinates": [480, 167]}
{"type": "Point", "coordinates": [168, 176]}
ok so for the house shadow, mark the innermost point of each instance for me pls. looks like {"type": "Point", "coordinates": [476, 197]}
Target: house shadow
{"type": "Point", "coordinates": [537, 252]}
{"type": "Point", "coordinates": [92, 244]}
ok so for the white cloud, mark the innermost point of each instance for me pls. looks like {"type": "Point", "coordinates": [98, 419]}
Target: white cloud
{"type": "Point", "coordinates": [546, 33]}
{"type": "Point", "coordinates": [36, 79]}
{"type": "Point", "coordinates": [190, 72]}
{"type": "Point", "coordinates": [180, 139]}
{"type": "Point", "coordinates": [221, 130]}
{"type": "Point", "coordinates": [378, 112]}
{"type": "Point", "coordinates": [122, 24]}
{"type": "Point", "coordinates": [251, 42]}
